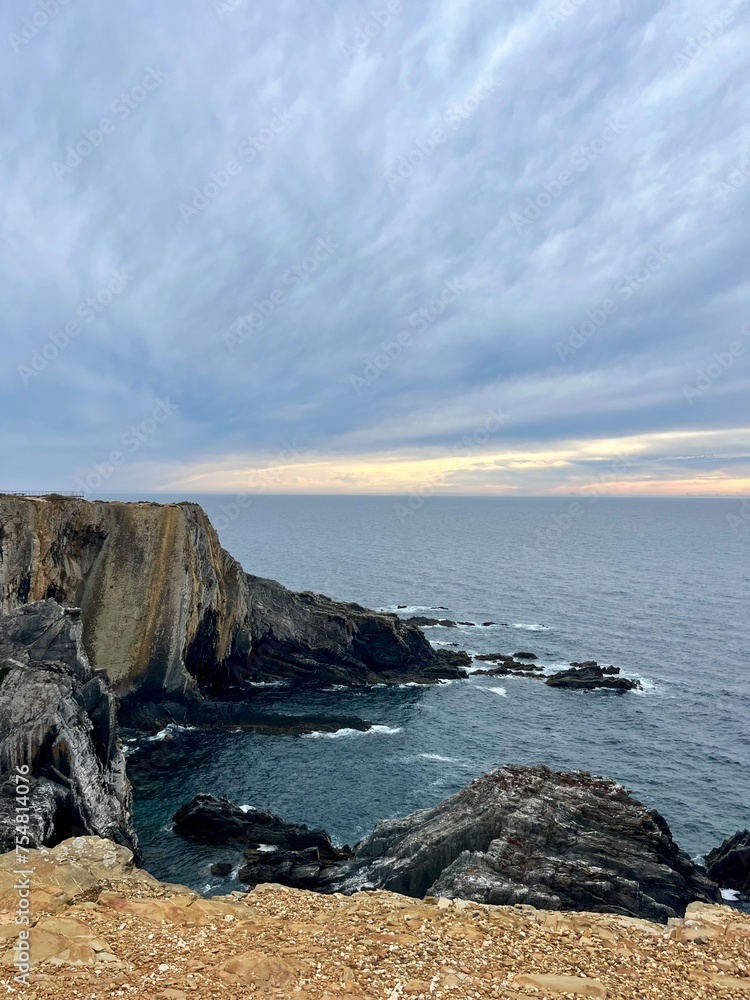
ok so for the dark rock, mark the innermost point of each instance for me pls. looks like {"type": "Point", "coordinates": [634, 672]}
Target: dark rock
{"type": "Point", "coordinates": [276, 851]}
{"type": "Point", "coordinates": [457, 658]}
{"type": "Point", "coordinates": [151, 717]}
{"type": "Point", "coordinates": [584, 663]}
{"type": "Point", "coordinates": [531, 835]}
{"type": "Point", "coordinates": [467, 623]}
{"type": "Point", "coordinates": [207, 819]}
{"type": "Point", "coordinates": [586, 678]}
{"type": "Point", "coordinates": [525, 656]}
{"type": "Point", "coordinates": [729, 865]}
{"type": "Point", "coordinates": [611, 670]}
{"type": "Point", "coordinates": [57, 717]}
{"type": "Point", "coordinates": [400, 607]}
{"type": "Point", "coordinates": [222, 868]}
{"type": "Point", "coordinates": [421, 622]}
{"type": "Point", "coordinates": [493, 657]}
{"type": "Point", "coordinates": [486, 624]}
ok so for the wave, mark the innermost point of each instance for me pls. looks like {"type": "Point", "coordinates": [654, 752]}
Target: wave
{"type": "Point", "coordinates": [530, 628]}
{"type": "Point", "coordinates": [438, 757]}
{"type": "Point", "coordinates": [496, 690]}
{"type": "Point", "coordinates": [412, 608]}
{"type": "Point", "coordinates": [171, 730]}
{"type": "Point", "coordinates": [373, 730]}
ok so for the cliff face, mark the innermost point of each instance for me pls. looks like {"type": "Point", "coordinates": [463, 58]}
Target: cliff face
{"type": "Point", "coordinates": [57, 732]}
{"type": "Point", "coordinates": [166, 610]}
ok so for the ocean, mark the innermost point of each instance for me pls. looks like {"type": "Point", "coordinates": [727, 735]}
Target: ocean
{"type": "Point", "coordinates": [657, 587]}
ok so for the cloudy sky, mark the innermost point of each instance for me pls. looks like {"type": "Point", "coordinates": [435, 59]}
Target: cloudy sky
{"type": "Point", "coordinates": [496, 246]}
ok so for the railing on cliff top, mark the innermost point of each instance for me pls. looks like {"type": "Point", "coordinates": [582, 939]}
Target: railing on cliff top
{"type": "Point", "coordinates": [42, 493]}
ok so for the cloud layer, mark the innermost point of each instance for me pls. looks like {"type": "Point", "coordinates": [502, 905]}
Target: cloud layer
{"type": "Point", "coordinates": [373, 247]}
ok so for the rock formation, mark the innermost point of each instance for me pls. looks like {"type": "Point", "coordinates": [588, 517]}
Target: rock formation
{"type": "Point", "coordinates": [729, 865]}
{"type": "Point", "coordinates": [530, 835]}
{"type": "Point", "coordinates": [57, 718]}
{"type": "Point", "coordinates": [167, 612]}
{"type": "Point", "coordinates": [587, 677]}
{"type": "Point", "coordinates": [275, 851]}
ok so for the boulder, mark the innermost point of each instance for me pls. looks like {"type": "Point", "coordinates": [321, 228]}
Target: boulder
{"type": "Point", "coordinates": [57, 725]}
{"type": "Point", "coordinates": [587, 678]}
{"type": "Point", "coordinates": [729, 865]}
{"type": "Point", "coordinates": [555, 840]}
{"type": "Point", "coordinates": [525, 656]}
{"type": "Point", "coordinates": [421, 622]}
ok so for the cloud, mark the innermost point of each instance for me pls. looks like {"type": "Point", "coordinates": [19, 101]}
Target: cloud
{"type": "Point", "coordinates": [572, 149]}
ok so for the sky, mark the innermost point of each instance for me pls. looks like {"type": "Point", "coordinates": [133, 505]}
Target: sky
{"type": "Point", "coordinates": [376, 246]}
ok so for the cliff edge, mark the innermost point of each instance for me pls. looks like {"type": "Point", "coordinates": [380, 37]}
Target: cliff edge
{"type": "Point", "coordinates": [167, 611]}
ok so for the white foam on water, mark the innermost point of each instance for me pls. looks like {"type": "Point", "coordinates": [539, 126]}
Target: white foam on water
{"type": "Point", "coordinates": [730, 895]}
{"type": "Point", "coordinates": [411, 608]}
{"type": "Point", "coordinates": [268, 684]}
{"type": "Point", "coordinates": [373, 730]}
{"type": "Point", "coordinates": [267, 848]}
{"type": "Point", "coordinates": [171, 730]}
{"type": "Point", "coordinates": [438, 757]}
{"type": "Point", "coordinates": [530, 628]}
{"type": "Point", "coordinates": [247, 809]}
{"type": "Point", "coordinates": [496, 690]}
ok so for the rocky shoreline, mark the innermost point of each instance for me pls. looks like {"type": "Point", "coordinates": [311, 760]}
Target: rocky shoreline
{"type": "Point", "coordinates": [179, 634]}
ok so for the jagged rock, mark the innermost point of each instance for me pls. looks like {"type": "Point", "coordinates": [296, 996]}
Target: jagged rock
{"type": "Point", "coordinates": [221, 869]}
{"type": "Point", "coordinates": [525, 656]}
{"type": "Point", "coordinates": [531, 835]}
{"type": "Point", "coordinates": [208, 819]}
{"type": "Point", "coordinates": [421, 622]}
{"type": "Point", "coordinates": [586, 678]}
{"type": "Point", "coordinates": [729, 865]}
{"type": "Point", "coordinates": [493, 657]}
{"type": "Point", "coordinates": [286, 853]}
{"type": "Point", "coordinates": [57, 718]}
{"type": "Point", "coordinates": [166, 611]}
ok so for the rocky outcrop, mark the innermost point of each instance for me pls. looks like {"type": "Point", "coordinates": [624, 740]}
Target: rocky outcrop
{"type": "Point", "coordinates": [57, 725]}
{"type": "Point", "coordinates": [530, 835]}
{"type": "Point", "coordinates": [167, 612]}
{"type": "Point", "coordinates": [591, 676]}
{"type": "Point", "coordinates": [275, 851]}
{"type": "Point", "coordinates": [729, 865]}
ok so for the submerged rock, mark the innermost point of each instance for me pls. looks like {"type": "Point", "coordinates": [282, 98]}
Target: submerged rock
{"type": "Point", "coordinates": [421, 622]}
{"type": "Point", "coordinates": [167, 612]}
{"type": "Point", "coordinates": [531, 835]}
{"type": "Point", "coordinates": [592, 676]}
{"type": "Point", "coordinates": [729, 865]}
{"type": "Point", "coordinates": [57, 718]}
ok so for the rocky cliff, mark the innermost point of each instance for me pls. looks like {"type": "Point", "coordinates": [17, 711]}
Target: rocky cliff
{"type": "Point", "coordinates": [62, 770]}
{"type": "Point", "coordinates": [167, 611]}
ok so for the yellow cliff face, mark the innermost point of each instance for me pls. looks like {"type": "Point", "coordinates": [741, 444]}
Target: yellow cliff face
{"type": "Point", "coordinates": [98, 927]}
{"type": "Point", "coordinates": [152, 580]}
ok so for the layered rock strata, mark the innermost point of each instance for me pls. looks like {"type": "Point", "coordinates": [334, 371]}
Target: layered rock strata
{"type": "Point", "coordinates": [57, 735]}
